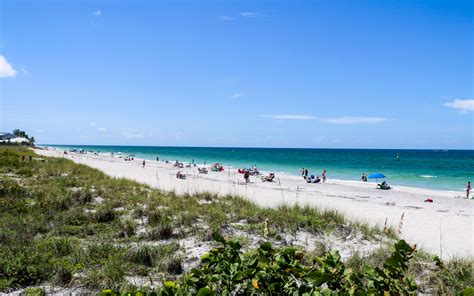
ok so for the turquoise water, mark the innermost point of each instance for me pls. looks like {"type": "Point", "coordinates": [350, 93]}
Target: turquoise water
{"type": "Point", "coordinates": [438, 169]}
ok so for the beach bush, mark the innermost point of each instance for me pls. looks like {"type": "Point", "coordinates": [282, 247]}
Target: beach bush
{"type": "Point", "coordinates": [285, 271]}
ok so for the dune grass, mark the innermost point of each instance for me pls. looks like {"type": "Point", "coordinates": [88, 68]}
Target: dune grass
{"type": "Point", "coordinates": [67, 224]}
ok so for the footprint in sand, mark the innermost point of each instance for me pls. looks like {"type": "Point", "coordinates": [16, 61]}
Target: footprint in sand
{"type": "Point", "coordinates": [442, 211]}
{"type": "Point", "coordinates": [362, 196]}
{"type": "Point", "coordinates": [413, 207]}
{"type": "Point", "coordinates": [389, 203]}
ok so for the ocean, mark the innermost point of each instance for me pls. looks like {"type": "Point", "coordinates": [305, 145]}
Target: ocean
{"type": "Point", "coordinates": [436, 169]}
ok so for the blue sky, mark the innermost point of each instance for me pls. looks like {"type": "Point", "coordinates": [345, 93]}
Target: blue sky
{"type": "Point", "coordinates": [378, 74]}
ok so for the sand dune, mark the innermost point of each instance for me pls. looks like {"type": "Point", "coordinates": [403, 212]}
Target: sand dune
{"type": "Point", "coordinates": [444, 227]}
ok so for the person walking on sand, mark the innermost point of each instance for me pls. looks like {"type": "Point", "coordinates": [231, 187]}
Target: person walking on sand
{"type": "Point", "coordinates": [247, 176]}
{"type": "Point", "coordinates": [324, 176]}
{"type": "Point", "coordinates": [143, 163]}
{"type": "Point", "coordinates": [468, 189]}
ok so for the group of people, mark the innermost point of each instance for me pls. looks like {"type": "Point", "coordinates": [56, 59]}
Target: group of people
{"type": "Point", "coordinates": [254, 171]}
{"type": "Point", "coordinates": [312, 179]}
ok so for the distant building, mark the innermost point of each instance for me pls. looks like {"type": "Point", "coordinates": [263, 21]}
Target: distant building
{"type": "Point", "coordinates": [7, 137]}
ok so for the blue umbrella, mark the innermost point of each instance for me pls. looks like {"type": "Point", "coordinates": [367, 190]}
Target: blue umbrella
{"type": "Point", "coordinates": [376, 176]}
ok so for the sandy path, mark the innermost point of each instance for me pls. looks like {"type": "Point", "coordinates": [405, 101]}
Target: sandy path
{"type": "Point", "coordinates": [444, 227]}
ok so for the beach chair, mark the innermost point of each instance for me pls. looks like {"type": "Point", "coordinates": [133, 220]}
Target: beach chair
{"type": "Point", "coordinates": [268, 178]}
{"type": "Point", "coordinates": [384, 186]}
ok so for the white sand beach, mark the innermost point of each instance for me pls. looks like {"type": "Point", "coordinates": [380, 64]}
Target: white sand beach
{"type": "Point", "coordinates": [444, 227]}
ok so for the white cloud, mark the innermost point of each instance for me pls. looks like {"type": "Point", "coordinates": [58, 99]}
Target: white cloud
{"type": "Point", "coordinates": [354, 120]}
{"type": "Point", "coordinates": [226, 18]}
{"type": "Point", "coordinates": [250, 14]}
{"type": "Point", "coordinates": [237, 95]}
{"type": "Point", "coordinates": [97, 13]}
{"type": "Point", "coordinates": [6, 70]}
{"type": "Point", "coordinates": [102, 129]}
{"type": "Point", "coordinates": [92, 123]}
{"type": "Point", "coordinates": [288, 116]}
{"type": "Point", "coordinates": [333, 120]}
{"type": "Point", "coordinates": [463, 105]}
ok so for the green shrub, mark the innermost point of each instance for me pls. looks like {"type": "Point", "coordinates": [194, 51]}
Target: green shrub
{"type": "Point", "coordinates": [127, 228]}
{"type": "Point", "coordinates": [142, 254]}
{"type": "Point", "coordinates": [34, 292]}
{"type": "Point", "coordinates": [272, 271]}
{"type": "Point", "coordinates": [162, 231]}
{"type": "Point", "coordinates": [105, 214]}
{"type": "Point", "coordinates": [114, 271]}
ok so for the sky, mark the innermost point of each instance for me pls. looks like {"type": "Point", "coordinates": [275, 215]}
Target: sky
{"type": "Point", "coordinates": [322, 74]}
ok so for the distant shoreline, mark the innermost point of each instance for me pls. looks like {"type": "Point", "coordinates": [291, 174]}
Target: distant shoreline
{"type": "Point", "coordinates": [414, 176]}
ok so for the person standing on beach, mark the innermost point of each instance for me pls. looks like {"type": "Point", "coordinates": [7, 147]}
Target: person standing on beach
{"type": "Point", "coordinates": [306, 174]}
{"type": "Point", "coordinates": [143, 163]}
{"type": "Point", "coordinates": [302, 173]}
{"type": "Point", "coordinates": [468, 189]}
{"type": "Point", "coordinates": [157, 158]}
{"type": "Point", "coordinates": [324, 176]}
{"type": "Point", "coordinates": [247, 176]}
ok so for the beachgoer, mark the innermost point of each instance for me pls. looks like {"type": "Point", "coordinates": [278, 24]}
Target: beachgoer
{"type": "Point", "coordinates": [157, 158]}
{"type": "Point", "coordinates": [143, 163]}
{"type": "Point", "coordinates": [363, 177]}
{"type": "Point", "coordinates": [247, 176]}
{"type": "Point", "coordinates": [302, 173]}
{"type": "Point", "coordinates": [468, 189]}
{"type": "Point", "coordinates": [306, 174]}
{"type": "Point", "coordinates": [324, 176]}
{"type": "Point", "coordinates": [398, 156]}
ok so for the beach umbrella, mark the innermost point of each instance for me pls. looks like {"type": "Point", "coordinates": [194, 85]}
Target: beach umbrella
{"type": "Point", "coordinates": [376, 176]}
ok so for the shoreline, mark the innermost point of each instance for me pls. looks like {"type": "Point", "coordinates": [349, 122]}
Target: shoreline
{"type": "Point", "coordinates": [443, 227]}
{"type": "Point", "coordinates": [420, 180]}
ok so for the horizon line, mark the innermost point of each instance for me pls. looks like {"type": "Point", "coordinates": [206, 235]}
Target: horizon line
{"type": "Point", "coordinates": [253, 147]}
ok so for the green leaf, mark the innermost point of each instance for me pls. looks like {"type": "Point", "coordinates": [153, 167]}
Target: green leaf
{"type": "Point", "coordinates": [219, 238]}
{"type": "Point", "coordinates": [206, 291]}
{"type": "Point", "coordinates": [266, 246]}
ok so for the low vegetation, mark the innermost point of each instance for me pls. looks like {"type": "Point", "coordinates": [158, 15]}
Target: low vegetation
{"type": "Point", "coordinates": [70, 226]}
